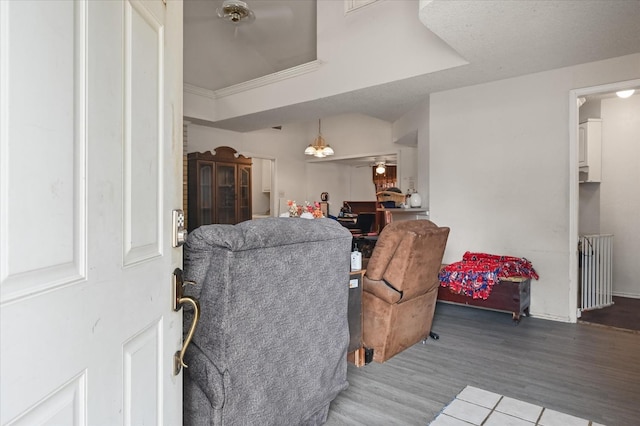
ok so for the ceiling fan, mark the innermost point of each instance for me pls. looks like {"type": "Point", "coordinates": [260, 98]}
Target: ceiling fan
{"type": "Point", "coordinates": [236, 12]}
{"type": "Point", "coordinates": [381, 167]}
{"type": "Point", "coordinates": [379, 164]}
{"type": "Point", "coordinates": [274, 16]}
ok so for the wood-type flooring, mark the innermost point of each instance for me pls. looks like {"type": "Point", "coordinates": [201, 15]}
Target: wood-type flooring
{"type": "Point", "coordinates": [585, 371]}
{"type": "Point", "coordinates": [623, 314]}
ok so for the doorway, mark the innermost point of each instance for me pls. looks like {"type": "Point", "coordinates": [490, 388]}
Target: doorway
{"type": "Point", "coordinates": [604, 199]}
{"type": "Point", "coordinates": [624, 314]}
{"type": "Point", "coordinates": [262, 183]}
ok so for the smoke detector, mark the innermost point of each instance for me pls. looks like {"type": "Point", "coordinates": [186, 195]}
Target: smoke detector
{"type": "Point", "coordinates": [235, 11]}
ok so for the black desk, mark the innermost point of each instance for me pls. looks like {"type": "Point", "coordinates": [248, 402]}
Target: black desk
{"type": "Point", "coordinates": [348, 222]}
{"type": "Point", "coordinates": [365, 244]}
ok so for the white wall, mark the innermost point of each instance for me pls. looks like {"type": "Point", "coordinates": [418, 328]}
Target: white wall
{"type": "Point", "coordinates": [589, 209]}
{"type": "Point", "coordinates": [362, 186]}
{"type": "Point", "coordinates": [408, 169]}
{"type": "Point", "coordinates": [590, 109]}
{"type": "Point", "coordinates": [342, 182]}
{"type": "Point", "coordinates": [499, 171]}
{"type": "Point", "coordinates": [260, 201]}
{"type": "Point", "coordinates": [332, 178]}
{"type": "Point", "coordinates": [423, 152]}
{"type": "Point", "coordinates": [620, 189]}
{"type": "Point", "coordinates": [354, 135]}
{"type": "Point", "coordinates": [414, 170]}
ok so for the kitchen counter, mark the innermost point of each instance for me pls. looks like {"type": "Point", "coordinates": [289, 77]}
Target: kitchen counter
{"type": "Point", "coordinates": [397, 214]}
{"type": "Point", "coordinates": [412, 210]}
{"type": "Point", "coordinates": [260, 216]}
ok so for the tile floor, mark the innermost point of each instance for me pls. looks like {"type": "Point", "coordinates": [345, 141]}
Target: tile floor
{"type": "Point", "coordinates": [474, 406]}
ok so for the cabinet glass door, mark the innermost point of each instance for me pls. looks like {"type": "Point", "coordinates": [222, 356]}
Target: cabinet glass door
{"type": "Point", "coordinates": [226, 193]}
{"type": "Point", "coordinates": [245, 193]}
{"type": "Point", "coordinates": [206, 194]}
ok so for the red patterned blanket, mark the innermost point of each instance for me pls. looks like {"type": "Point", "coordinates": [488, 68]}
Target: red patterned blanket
{"type": "Point", "coordinates": [476, 273]}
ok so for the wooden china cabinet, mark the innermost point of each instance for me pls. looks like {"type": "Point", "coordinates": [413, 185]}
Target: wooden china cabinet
{"type": "Point", "coordinates": [219, 187]}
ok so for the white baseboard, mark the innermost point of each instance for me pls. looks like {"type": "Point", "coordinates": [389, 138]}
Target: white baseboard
{"type": "Point", "coordinates": [630, 295]}
{"type": "Point", "coordinates": [550, 317]}
{"type": "Point", "coordinates": [533, 314]}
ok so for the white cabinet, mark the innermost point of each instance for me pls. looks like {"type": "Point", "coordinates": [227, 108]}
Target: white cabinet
{"type": "Point", "coordinates": [590, 150]}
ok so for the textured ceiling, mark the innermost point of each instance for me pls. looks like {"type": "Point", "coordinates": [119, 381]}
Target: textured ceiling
{"type": "Point", "coordinates": [500, 39]}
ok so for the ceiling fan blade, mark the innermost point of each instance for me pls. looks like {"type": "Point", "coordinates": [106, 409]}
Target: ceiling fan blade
{"type": "Point", "coordinates": [269, 23]}
{"type": "Point", "coordinates": [282, 14]}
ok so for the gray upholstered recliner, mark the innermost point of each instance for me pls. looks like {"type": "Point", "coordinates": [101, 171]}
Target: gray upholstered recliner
{"type": "Point", "coordinates": [270, 348]}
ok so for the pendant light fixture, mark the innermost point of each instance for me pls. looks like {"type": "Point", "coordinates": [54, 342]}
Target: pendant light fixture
{"type": "Point", "coordinates": [319, 148]}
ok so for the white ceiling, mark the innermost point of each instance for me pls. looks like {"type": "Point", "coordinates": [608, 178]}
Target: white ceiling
{"type": "Point", "coordinates": [500, 39]}
{"type": "Point", "coordinates": [219, 53]}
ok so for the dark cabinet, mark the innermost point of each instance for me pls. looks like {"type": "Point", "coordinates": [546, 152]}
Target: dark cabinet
{"type": "Point", "coordinates": [219, 187]}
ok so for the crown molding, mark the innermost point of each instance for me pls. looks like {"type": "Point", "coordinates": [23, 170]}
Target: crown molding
{"type": "Point", "coordinates": [199, 91]}
{"type": "Point", "coordinates": [353, 5]}
{"type": "Point", "coordinates": [255, 83]}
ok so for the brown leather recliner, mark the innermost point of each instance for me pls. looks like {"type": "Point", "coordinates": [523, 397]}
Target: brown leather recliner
{"type": "Point", "coordinates": [400, 286]}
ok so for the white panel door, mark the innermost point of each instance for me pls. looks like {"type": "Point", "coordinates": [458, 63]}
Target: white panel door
{"type": "Point", "coordinates": [91, 168]}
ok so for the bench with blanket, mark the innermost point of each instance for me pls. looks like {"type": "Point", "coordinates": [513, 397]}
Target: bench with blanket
{"type": "Point", "coordinates": [489, 281]}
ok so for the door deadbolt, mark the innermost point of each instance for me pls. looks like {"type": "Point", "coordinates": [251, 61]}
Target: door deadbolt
{"type": "Point", "coordinates": [178, 231]}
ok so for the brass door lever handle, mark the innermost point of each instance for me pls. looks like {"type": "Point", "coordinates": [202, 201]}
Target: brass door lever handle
{"type": "Point", "coordinates": [180, 299]}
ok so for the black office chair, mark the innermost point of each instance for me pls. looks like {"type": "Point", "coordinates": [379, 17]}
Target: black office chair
{"type": "Point", "coordinates": [364, 223]}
